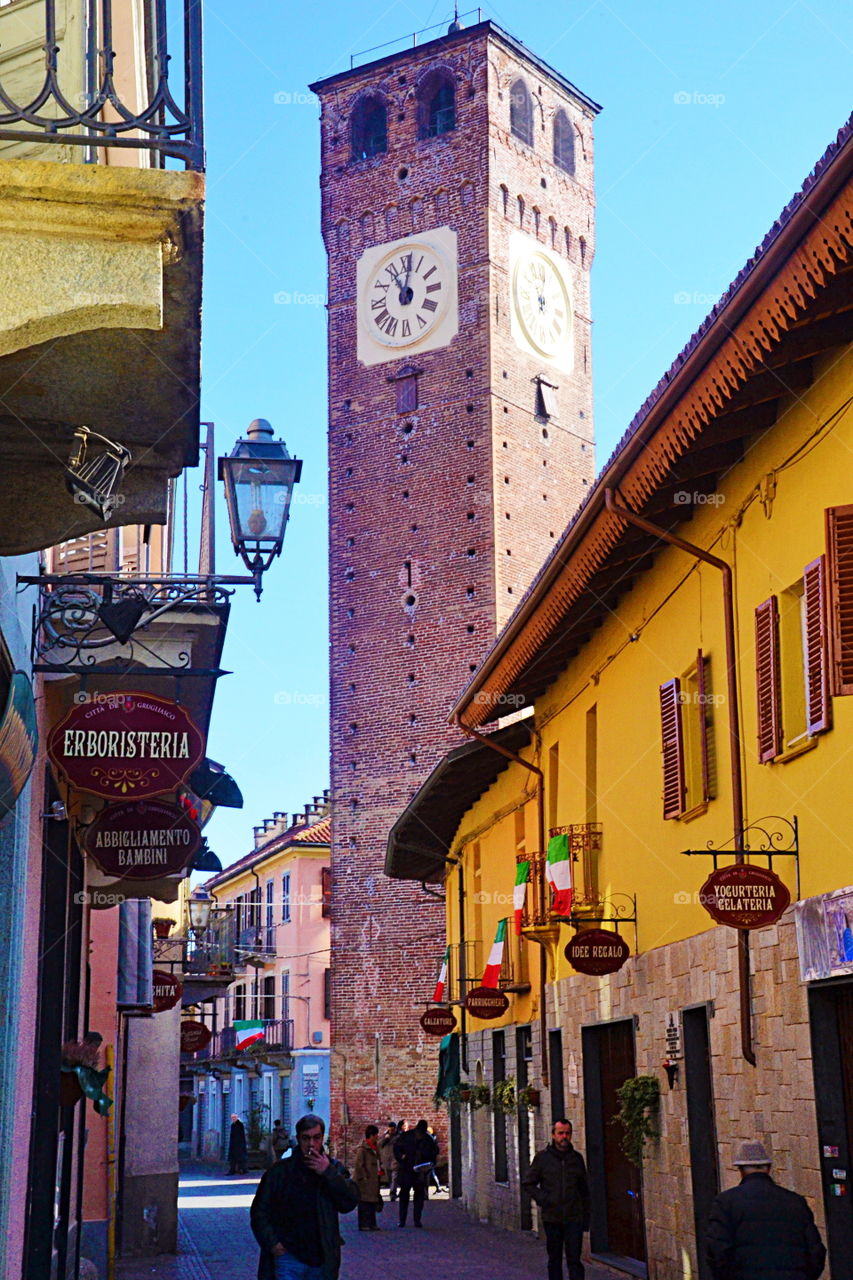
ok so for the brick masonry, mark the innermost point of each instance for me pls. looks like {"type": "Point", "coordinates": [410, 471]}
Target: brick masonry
{"type": "Point", "coordinates": [439, 518]}
{"type": "Point", "coordinates": [774, 1100]}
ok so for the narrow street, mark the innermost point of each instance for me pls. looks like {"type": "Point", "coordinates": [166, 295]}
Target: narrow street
{"type": "Point", "coordinates": [216, 1243]}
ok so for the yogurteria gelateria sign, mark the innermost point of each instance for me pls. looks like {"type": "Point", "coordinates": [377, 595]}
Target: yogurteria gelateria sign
{"type": "Point", "coordinates": [142, 839]}
{"type": "Point", "coordinates": [744, 896]}
{"type": "Point", "coordinates": [128, 745]}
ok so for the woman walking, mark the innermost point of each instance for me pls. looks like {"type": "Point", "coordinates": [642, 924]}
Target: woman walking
{"type": "Point", "coordinates": [366, 1178]}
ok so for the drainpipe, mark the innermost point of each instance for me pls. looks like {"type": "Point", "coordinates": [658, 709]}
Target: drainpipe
{"type": "Point", "coordinates": [540, 820]}
{"type": "Point", "coordinates": [616, 508]}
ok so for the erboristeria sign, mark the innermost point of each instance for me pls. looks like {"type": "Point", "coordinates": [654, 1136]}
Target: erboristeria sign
{"type": "Point", "coordinates": [142, 839]}
{"type": "Point", "coordinates": [133, 746]}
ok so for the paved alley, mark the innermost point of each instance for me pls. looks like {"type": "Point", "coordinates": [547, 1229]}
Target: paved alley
{"type": "Point", "coordinates": [217, 1244]}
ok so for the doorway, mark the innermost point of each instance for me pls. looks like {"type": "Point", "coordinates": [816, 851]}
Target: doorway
{"type": "Point", "coordinates": [617, 1230]}
{"type": "Point", "coordinates": [831, 1019]}
{"type": "Point", "coordinates": [523, 1058]}
{"type": "Point", "coordinates": [701, 1125]}
{"type": "Point", "coordinates": [555, 1070]}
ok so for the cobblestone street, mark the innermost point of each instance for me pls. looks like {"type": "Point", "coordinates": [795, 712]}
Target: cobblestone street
{"type": "Point", "coordinates": [216, 1242]}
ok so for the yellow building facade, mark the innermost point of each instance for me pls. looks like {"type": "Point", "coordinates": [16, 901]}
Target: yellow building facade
{"type": "Point", "coordinates": [633, 722]}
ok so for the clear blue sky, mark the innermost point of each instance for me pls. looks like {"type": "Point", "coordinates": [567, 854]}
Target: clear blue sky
{"type": "Point", "coordinates": [713, 114]}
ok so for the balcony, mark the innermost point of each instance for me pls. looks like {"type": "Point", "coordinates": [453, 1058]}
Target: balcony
{"type": "Point", "coordinates": [100, 263]}
{"type": "Point", "coordinates": [585, 839]}
{"type": "Point", "coordinates": [514, 975]}
{"type": "Point", "coordinates": [278, 1038]}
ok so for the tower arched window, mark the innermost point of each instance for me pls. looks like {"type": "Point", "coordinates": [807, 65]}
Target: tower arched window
{"type": "Point", "coordinates": [436, 104]}
{"type": "Point", "coordinates": [521, 112]}
{"type": "Point", "coordinates": [564, 142]}
{"type": "Point", "coordinates": [369, 128]}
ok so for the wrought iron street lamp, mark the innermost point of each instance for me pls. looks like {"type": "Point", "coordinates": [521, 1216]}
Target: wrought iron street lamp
{"type": "Point", "coordinates": [198, 909]}
{"type": "Point", "coordinates": [259, 476]}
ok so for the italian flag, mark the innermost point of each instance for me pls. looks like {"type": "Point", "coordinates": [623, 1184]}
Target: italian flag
{"type": "Point", "coordinates": [438, 994]}
{"type": "Point", "coordinates": [491, 973]}
{"type": "Point", "coordinates": [519, 893]}
{"type": "Point", "coordinates": [559, 872]}
{"type": "Point", "coordinates": [247, 1033]}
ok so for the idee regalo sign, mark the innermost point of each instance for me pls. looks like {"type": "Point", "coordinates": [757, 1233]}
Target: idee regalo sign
{"type": "Point", "coordinates": [127, 746]}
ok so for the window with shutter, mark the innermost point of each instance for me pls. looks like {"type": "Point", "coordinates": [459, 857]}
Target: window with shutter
{"type": "Point", "coordinates": [839, 583]}
{"type": "Point", "coordinates": [816, 667]}
{"type": "Point", "coordinates": [326, 891]}
{"type": "Point", "coordinates": [767, 681]}
{"type": "Point", "coordinates": [546, 399]}
{"type": "Point", "coordinates": [672, 748]}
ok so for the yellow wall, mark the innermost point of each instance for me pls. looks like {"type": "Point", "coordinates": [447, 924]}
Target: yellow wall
{"type": "Point", "coordinates": [672, 611]}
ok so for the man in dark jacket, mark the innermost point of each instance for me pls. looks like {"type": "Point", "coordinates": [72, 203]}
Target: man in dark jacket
{"type": "Point", "coordinates": [295, 1211]}
{"type": "Point", "coordinates": [761, 1231]}
{"type": "Point", "coordinates": [557, 1181]}
{"type": "Point", "coordinates": [237, 1146]}
{"type": "Point", "coordinates": [415, 1152]}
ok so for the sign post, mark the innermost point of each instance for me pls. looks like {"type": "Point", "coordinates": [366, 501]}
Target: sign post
{"type": "Point", "coordinates": [486, 1003]}
{"type": "Point", "coordinates": [744, 896]}
{"type": "Point", "coordinates": [596, 951]}
{"type": "Point", "coordinates": [142, 839]}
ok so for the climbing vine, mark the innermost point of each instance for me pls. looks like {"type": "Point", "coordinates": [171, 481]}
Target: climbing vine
{"type": "Point", "coordinates": [639, 1102]}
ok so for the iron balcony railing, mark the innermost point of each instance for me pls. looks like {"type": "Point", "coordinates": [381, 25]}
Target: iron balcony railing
{"type": "Point", "coordinates": [278, 1037]}
{"type": "Point", "coordinates": [466, 963]}
{"type": "Point", "coordinates": [101, 100]}
{"type": "Point", "coordinates": [585, 840]}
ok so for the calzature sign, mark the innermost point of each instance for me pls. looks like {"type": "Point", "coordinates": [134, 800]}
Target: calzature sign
{"type": "Point", "coordinates": [438, 1022]}
{"type": "Point", "coordinates": [744, 896]}
{"type": "Point", "coordinates": [142, 839]}
{"type": "Point", "coordinates": [135, 745]}
{"type": "Point", "coordinates": [597, 952]}
{"type": "Point", "coordinates": [194, 1036]}
{"type": "Point", "coordinates": [486, 1003]}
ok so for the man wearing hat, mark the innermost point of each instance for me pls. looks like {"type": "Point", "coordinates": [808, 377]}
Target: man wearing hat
{"type": "Point", "coordinates": [759, 1230]}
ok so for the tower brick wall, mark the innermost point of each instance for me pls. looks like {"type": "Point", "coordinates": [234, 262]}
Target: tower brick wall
{"type": "Point", "coordinates": [439, 516]}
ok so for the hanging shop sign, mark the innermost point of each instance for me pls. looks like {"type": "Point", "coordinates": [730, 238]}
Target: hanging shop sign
{"type": "Point", "coordinates": [744, 896]}
{"type": "Point", "coordinates": [142, 839]}
{"type": "Point", "coordinates": [18, 740]}
{"type": "Point", "coordinates": [595, 951]}
{"type": "Point", "coordinates": [438, 1022]}
{"type": "Point", "coordinates": [486, 1002]}
{"type": "Point", "coordinates": [194, 1036]}
{"type": "Point", "coordinates": [167, 990]}
{"type": "Point", "coordinates": [126, 746]}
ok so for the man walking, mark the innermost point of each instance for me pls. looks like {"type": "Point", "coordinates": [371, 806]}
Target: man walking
{"type": "Point", "coordinates": [386, 1157]}
{"type": "Point", "coordinates": [759, 1230]}
{"type": "Point", "coordinates": [295, 1211]}
{"type": "Point", "coordinates": [416, 1152]}
{"type": "Point", "coordinates": [237, 1146]}
{"type": "Point", "coordinates": [557, 1181]}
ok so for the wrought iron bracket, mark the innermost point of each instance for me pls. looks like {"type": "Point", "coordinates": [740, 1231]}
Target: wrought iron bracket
{"type": "Point", "coordinates": [772, 837]}
{"type": "Point", "coordinates": [619, 908]}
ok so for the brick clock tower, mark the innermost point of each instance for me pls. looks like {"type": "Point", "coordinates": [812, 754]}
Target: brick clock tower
{"type": "Point", "coordinates": [458, 217]}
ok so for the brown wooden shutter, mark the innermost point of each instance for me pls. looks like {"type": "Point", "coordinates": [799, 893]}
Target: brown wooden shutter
{"type": "Point", "coordinates": [818, 706]}
{"type": "Point", "coordinates": [672, 742]}
{"type": "Point", "coordinates": [326, 891]}
{"type": "Point", "coordinates": [839, 582]}
{"type": "Point", "coordinates": [704, 723]}
{"type": "Point", "coordinates": [767, 680]}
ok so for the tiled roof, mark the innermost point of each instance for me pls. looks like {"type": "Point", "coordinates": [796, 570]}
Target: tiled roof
{"type": "Point", "coordinates": [317, 833]}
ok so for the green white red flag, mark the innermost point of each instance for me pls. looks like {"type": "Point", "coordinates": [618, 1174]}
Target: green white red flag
{"type": "Point", "coordinates": [519, 893]}
{"type": "Point", "coordinates": [492, 971]}
{"type": "Point", "coordinates": [247, 1032]}
{"type": "Point", "coordinates": [559, 872]}
{"type": "Point", "coordinates": [438, 994]}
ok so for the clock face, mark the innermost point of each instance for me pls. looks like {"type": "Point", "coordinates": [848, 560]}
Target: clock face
{"type": "Point", "coordinates": [407, 294]}
{"type": "Point", "coordinates": [542, 303]}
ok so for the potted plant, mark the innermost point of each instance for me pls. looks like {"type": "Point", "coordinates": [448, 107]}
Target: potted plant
{"type": "Point", "coordinates": [639, 1102]}
{"type": "Point", "coordinates": [481, 1096]}
{"type": "Point", "coordinates": [162, 926]}
{"type": "Point", "coordinates": [504, 1099]}
{"type": "Point", "coordinates": [529, 1097]}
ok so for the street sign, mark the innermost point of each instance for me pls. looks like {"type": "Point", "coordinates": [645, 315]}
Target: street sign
{"type": "Point", "coordinates": [167, 990]}
{"type": "Point", "coordinates": [596, 951]}
{"type": "Point", "coordinates": [744, 896]}
{"type": "Point", "coordinates": [672, 1032]}
{"type": "Point", "coordinates": [438, 1022]}
{"type": "Point", "coordinates": [126, 746]}
{"type": "Point", "coordinates": [142, 839]}
{"type": "Point", "coordinates": [194, 1036]}
{"type": "Point", "coordinates": [486, 1003]}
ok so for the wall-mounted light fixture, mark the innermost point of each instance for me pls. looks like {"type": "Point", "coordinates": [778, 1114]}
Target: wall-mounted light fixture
{"type": "Point", "coordinates": [259, 476]}
{"type": "Point", "coordinates": [94, 474]}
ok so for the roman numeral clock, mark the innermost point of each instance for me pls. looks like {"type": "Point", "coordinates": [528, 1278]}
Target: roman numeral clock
{"type": "Point", "coordinates": [407, 296]}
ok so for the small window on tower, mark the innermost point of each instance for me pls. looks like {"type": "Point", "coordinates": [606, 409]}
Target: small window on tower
{"type": "Point", "coordinates": [521, 112]}
{"type": "Point", "coordinates": [564, 143]}
{"type": "Point", "coordinates": [546, 398]}
{"type": "Point", "coordinates": [436, 104]}
{"type": "Point", "coordinates": [369, 128]}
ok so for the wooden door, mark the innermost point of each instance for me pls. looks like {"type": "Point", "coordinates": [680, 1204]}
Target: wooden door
{"type": "Point", "coordinates": [625, 1233]}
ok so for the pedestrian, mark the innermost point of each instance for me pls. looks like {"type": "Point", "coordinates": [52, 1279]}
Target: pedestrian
{"type": "Point", "coordinates": [386, 1156]}
{"type": "Point", "coordinates": [433, 1175]}
{"type": "Point", "coordinates": [366, 1177]}
{"type": "Point", "coordinates": [759, 1230]}
{"type": "Point", "coordinates": [416, 1152]}
{"type": "Point", "coordinates": [279, 1140]}
{"type": "Point", "coordinates": [237, 1146]}
{"type": "Point", "coordinates": [294, 1214]}
{"type": "Point", "coordinates": [557, 1181]}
